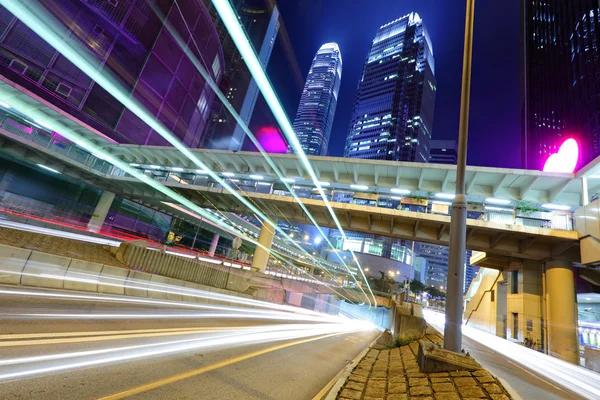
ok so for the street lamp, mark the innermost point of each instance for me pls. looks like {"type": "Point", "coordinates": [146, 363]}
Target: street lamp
{"type": "Point", "coordinates": [458, 220]}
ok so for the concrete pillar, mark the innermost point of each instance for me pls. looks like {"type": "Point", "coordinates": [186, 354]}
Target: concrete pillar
{"type": "Point", "coordinates": [562, 311]}
{"type": "Point", "coordinates": [585, 196]}
{"type": "Point", "coordinates": [261, 255]}
{"type": "Point", "coordinates": [101, 211]}
{"type": "Point", "coordinates": [213, 244]}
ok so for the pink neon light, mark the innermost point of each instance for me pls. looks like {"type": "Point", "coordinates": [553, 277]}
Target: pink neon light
{"type": "Point", "coordinates": [271, 140]}
{"type": "Point", "coordinates": [566, 158]}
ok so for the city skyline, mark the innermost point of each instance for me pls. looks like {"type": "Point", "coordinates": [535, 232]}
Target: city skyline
{"type": "Point", "coordinates": [316, 111]}
{"type": "Point", "coordinates": [495, 121]}
{"type": "Point", "coordinates": [392, 115]}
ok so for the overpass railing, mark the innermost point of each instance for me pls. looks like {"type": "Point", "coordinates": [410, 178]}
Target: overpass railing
{"type": "Point", "coordinates": [517, 214]}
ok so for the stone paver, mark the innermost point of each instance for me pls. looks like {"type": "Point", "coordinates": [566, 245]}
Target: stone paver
{"type": "Point", "coordinates": [394, 375]}
{"type": "Point", "coordinates": [471, 391]}
{"type": "Point", "coordinates": [447, 396]}
{"type": "Point", "coordinates": [442, 387]}
{"type": "Point", "coordinates": [465, 381]}
{"type": "Point", "coordinates": [420, 390]}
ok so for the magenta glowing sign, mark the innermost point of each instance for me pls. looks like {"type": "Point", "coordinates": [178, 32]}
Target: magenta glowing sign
{"type": "Point", "coordinates": [566, 158]}
{"type": "Point", "coordinates": [271, 139]}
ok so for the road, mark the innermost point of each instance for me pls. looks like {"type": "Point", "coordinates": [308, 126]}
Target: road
{"type": "Point", "coordinates": [94, 347]}
{"type": "Point", "coordinates": [532, 375]}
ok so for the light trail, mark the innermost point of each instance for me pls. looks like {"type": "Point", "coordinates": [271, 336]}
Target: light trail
{"type": "Point", "coordinates": [128, 283]}
{"type": "Point", "coordinates": [43, 23]}
{"type": "Point", "coordinates": [573, 378]}
{"type": "Point", "coordinates": [22, 368]}
{"type": "Point", "coordinates": [62, 234]}
{"type": "Point", "coordinates": [298, 314]}
{"type": "Point", "coordinates": [239, 37]}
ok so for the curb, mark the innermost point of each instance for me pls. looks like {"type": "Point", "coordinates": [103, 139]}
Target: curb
{"type": "Point", "coordinates": [330, 391]}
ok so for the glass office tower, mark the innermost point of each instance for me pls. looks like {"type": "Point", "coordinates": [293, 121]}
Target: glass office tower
{"type": "Point", "coordinates": [559, 79]}
{"type": "Point", "coordinates": [392, 115]}
{"type": "Point", "coordinates": [316, 111]}
{"type": "Point", "coordinates": [131, 41]}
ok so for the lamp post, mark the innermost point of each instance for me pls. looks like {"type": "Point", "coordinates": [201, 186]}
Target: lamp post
{"type": "Point", "coordinates": [458, 221]}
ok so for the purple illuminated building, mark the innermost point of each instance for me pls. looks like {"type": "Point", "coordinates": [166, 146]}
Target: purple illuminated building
{"type": "Point", "coordinates": [130, 41]}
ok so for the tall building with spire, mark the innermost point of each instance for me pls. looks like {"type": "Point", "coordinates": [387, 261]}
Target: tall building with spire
{"type": "Point", "coordinates": [392, 117]}
{"type": "Point", "coordinates": [314, 118]}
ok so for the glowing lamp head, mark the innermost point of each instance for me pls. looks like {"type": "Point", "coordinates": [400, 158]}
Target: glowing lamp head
{"type": "Point", "coordinates": [565, 160]}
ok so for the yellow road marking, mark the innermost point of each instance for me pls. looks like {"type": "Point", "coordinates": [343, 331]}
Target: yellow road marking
{"type": "Point", "coordinates": [39, 342]}
{"type": "Point", "coordinates": [199, 371]}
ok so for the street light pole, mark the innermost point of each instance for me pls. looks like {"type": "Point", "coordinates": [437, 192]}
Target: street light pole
{"type": "Point", "coordinates": [458, 220]}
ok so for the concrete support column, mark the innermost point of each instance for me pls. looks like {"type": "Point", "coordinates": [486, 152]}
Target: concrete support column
{"type": "Point", "coordinates": [101, 211]}
{"type": "Point", "coordinates": [213, 244]}
{"type": "Point", "coordinates": [585, 196]}
{"type": "Point", "coordinates": [562, 311]}
{"type": "Point", "coordinates": [261, 255]}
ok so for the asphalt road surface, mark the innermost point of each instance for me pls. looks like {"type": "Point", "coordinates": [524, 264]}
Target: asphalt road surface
{"type": "Point", "coordinates": [94, 348]}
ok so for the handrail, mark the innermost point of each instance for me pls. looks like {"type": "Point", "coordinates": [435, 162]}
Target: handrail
{"type": "Point", "coordinates": [482, 296]}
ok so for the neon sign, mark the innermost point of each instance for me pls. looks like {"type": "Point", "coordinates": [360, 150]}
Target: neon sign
{"type": "Point", "coordinates": [565, 160]}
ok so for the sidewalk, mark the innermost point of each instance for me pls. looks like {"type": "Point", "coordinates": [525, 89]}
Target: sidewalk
{"type": "Point", "coordinates": [393, 374]}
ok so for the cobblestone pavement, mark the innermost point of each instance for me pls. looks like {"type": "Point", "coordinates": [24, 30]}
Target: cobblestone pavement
{"type": "Point", "coordinates": [394, 375]}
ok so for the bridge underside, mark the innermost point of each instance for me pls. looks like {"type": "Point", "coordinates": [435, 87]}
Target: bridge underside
{"type": "Point", "coordinates": [505, 242]}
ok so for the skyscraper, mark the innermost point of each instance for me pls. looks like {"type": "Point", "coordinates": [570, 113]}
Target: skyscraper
{"type": "Point", "coordinates": [131, 41]}
{"type": "Point", "coordinates": [260, 19]}
{"type": "Point", "coordinates": [316, 111]}
{"type": "Point", "coordinates": [559, 91]}
{"type": "Point", "coordinates": [443, 152]}
{"type": "Point", "coordinates": [392, 115]}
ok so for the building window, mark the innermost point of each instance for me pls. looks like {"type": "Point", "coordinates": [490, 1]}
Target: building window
{"type": "Point", "coordinates": [63, 89]}
{"type": "Point", "coordinates": [18, 66]}
{"type": "Point", "coordinates": [515, 330]}
{"type": "Point", "coordinates": [514, 282]}
{"type": "Point", "coordinates": [492, 295]}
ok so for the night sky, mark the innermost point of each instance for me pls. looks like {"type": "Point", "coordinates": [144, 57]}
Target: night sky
{"type": "Point", "coordinates": [494, 127]}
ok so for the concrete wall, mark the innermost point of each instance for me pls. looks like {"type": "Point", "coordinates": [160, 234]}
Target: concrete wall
{"type": "Point", "coordinates": [526, 303]}
{"type": "Point", "coordinates": [31, 268]}
{"type": "Point", "coordinates": [480, 309]}
{"type": "Point", "coordinates": [494, 301]}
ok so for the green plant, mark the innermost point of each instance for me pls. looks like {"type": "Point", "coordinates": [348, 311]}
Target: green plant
{"type": "Point", "coordinates": [406, 338]}
{"type": "Point", "coordinates": [527, 207]}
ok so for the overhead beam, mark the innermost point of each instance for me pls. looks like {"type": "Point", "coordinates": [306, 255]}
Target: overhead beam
{"type": "Point", "coordinates": [470, 233]}
{"type": "Point", "coordinates": [554, 193]}
{"type": "Point", "coordinates": [523, 192]}
{"type": "Point", "coordinates": [392, 221]}
{"type": "Point", "coordinates": [495, 239]}
{"type": "Point", "coordinates": [370, 221]}
{"type": "Point", "coordinates": [349, 219]}
{"type": "Point", "coordinates": [445, 181]}
{"type": "Point", "coordinates": [416, 227]}
{"type": "Point", "coordinates": [498, 185]}
{"type": "Point", "coordinates": [421, 178]}
{"type": "Point", "coordinates": [441, 231]}
{"type": "Point", "coordinates": [526, 243]}
{"type": "Point", "coordinates": [471, 183]}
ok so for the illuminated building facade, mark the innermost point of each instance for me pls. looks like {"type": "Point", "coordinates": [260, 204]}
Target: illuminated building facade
{"type": "Point", "coordinates": [260, 19]}
{"type": "Point", "coordinates": [314, 118]}
{"type": "Point", "coordinates": [392, 116]}
{"type": "Point", "coordinates": [129, 40]}
{"type": "Point", "coordinates": [559, 84]}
